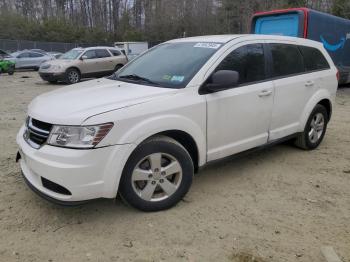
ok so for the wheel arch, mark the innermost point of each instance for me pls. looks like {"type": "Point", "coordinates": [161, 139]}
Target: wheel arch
{"type": "Point", "coordinates": [322, 97]}
{"type": "Point", "coordinates": [74, 67]}
{"type": "Point", "coordinates": [186, 140]}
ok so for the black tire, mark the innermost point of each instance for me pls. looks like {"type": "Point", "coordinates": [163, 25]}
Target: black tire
{"type": "Point", "coordinates": [303, 139]}
{"type": "Point", "coordinates": [11, 70]}
{"type": "Point", "coordinates": [69, 76]}
{"type": "Point", "coordinates": [156, 145]}
{"type": "Point", "coordinates": [117, 67]}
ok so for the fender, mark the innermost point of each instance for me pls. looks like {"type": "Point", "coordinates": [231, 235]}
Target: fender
{"type": "Point", "coordinates": [154, 125]}
{"type": "Point", "coordinates": [313, 101]}
{"type": "Point", "coordinates": [139, 133]}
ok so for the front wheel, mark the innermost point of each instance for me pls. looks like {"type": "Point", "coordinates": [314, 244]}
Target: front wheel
{"type": "Point", "coordinates": [157, 175]}
{"type": "Point", "coordinates": [315, 129]}
{"type": "Point", "coordinates": [72, 76]}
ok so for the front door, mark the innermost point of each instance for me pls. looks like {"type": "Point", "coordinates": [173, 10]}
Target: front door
{"type": "Point", "coordinates": [239, 118]}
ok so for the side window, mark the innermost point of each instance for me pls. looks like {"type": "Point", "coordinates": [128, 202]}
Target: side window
{"type": "Point", "coordinates": [313, 59]}
{"type": "Point", "coordinates": [115, 52]}
{"type": "Point", "coordinates": [36, 55]}
{"type": "Point", "coordinates": [90, 54]}
{"type": "Point", "coordinates": [248, 61]}
{"type": "Point", "coordinates": [287, 60]}
{"type": "Point", "coordinates": [24, 55]}
{"type": "Point", "coordinates": [101, 53]}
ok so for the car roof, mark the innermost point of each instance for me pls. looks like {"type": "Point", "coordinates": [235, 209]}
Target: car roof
{"type": "Point", "coordinates": [94, 47]}
{"type": "Point", "coordinates": [227, 38]}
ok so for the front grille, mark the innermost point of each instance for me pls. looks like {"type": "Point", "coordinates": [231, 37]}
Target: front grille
{"type": "Point", "coordinates": [37, 132]}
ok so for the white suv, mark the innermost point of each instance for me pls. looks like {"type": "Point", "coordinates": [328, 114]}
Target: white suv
{"type": "Point", "coordinates": [144, 131]}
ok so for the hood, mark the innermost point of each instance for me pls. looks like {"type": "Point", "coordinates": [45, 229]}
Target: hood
{"type": "Point", "coordinates": [73, 104]}
{"type": "Point", "coordinates": [60, 62]}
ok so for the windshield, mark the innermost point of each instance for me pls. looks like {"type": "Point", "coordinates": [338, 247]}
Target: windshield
{"type": "Point", "coordinates": [171, 65]}
{"type": "Point", "coordinates": [72, 54]}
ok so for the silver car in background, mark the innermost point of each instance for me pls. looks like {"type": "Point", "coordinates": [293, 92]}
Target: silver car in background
{"type": "Point", "coordinates": [28, 59]}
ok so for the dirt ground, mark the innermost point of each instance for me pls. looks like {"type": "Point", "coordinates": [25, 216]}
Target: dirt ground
{"type": "Point", "coordinates": [278, 204]}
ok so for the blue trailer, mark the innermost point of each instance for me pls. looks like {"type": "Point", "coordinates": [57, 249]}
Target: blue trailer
{"type": "Point", "coordinates": [332, 31]}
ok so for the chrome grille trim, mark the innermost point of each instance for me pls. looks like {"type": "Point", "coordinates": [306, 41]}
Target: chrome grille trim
{"type": "Point", "coordinates": [34, 135]}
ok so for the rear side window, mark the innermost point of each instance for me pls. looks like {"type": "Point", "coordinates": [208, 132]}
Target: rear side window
{"type": "Point", "coordinates": [101, 53]}
{"type": "Point", "coordinates": [287, 60]}
{"type": "Point", "coordinates": [248, 61]}
{"type": "Point", "coordinates": [115, 52]}
{"type": "Point", "coordinates": [313, 59]}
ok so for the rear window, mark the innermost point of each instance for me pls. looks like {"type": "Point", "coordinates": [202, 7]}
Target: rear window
{"type": "Point", "coordinates": [287, 60]}
{"type": "Point", "coordinates": [313, 59]}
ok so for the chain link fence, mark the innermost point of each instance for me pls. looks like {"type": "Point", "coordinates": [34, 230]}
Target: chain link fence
{"type": "Point", "coordinates": [16, 45]}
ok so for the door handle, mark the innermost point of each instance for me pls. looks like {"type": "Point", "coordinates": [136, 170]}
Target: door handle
{"type": "Point", "coordinates": [265, 93]}
{"type": "Point", "coordinates": [309, 83]}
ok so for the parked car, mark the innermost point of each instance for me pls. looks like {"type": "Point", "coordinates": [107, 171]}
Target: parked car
{"type": "Point", "coordinates": [145, 130]}
{"type": "Point", "coordinates": [27, 59]}
{"type": "Point", "coordinates": [80, 63]}
{"type": "Point", "coordinates": [6, 66]}
{"type": "Point", "coordinates": [332, 31]}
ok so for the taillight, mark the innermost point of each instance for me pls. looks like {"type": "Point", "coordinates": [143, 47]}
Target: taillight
{"type": "Point", "coordinates": [338, 75]}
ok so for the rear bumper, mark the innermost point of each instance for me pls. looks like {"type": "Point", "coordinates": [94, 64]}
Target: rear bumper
{"type": "Point", "coordinates": [52, 76]}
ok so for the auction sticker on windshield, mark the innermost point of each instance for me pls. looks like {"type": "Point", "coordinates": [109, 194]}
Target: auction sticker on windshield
{"type": "Point", "coordinates": [207, 45]}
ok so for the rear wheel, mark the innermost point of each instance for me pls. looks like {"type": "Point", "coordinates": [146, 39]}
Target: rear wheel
{"type": "Point", "coordinates": [315, 129]}
{"type": "Point", "coordinates": [11, 70]}
{"type": "Point", "coordinates": [72, 76]}
{"type": "Point", "coordinates": [157, 175]}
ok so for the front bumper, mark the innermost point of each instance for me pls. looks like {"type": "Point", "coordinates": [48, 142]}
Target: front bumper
{"type": "Point", "coordinates": [52, 76]}
{"type": "Point", "coordinates": [85, 174]}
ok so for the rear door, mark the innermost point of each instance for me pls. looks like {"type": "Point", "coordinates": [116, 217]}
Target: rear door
{"type": "Point", "coordinates": [105, 60]}
{"type": "Point", "coordinates": [36, 59]}
{"type": "Point", "coordinates": [293, 88]}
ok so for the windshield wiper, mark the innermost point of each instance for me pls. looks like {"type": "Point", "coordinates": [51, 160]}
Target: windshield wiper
{"type": "Point", "coordinates": [139, 78]}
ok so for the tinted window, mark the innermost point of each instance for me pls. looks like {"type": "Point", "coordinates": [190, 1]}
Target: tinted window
{"type": "Point", "coordinates": [313, 59]}
{"type": "Point", "coordinates": [287, 60]}
{"type": "Point", "coordinates": [248, 61]}
{"type": "Point", "coordinates": [36, 55]}
{"type": "Point", "coordinates": [24, 55]}
{"type": "Point", "coordinates": [115, 52]}
{"type": "Point", "coordinates": [101, 53]}
{"type": "Point", "coordinates": [90, 54]}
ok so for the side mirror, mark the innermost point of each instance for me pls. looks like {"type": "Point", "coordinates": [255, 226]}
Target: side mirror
{"type": "Point", "coordinates": [84, 57]}
{"type": "Point", "coordinates": [222, 80]}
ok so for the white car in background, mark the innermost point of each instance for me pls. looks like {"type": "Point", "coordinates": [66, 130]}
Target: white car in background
{"type": "Point", "coordinates": [28, 59]}
{"type": "Point", "coordinates": [144, 131]}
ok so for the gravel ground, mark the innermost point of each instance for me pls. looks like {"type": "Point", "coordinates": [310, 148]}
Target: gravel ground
{"type": "Point", "coordinates": [278, 204]}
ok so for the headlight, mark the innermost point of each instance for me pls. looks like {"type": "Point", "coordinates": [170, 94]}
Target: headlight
{"type": "Point", "coordinates": [56, 67]}
{"type": "Point", "coordinates": [78, 136]}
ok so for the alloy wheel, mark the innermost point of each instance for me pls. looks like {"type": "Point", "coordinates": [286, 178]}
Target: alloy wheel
{"type": "Point", "coordinates": [156, 177]}
{"type": "Point", "coordinates": [316, 128]}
